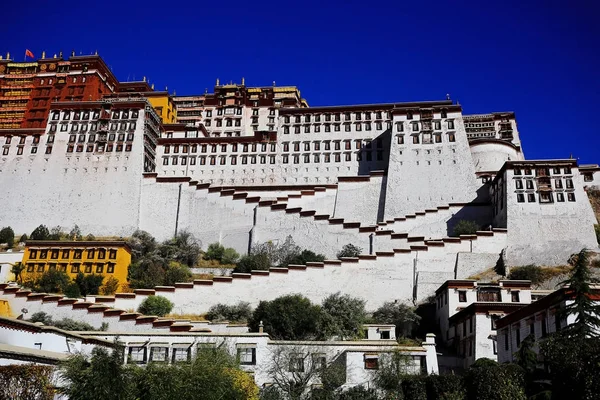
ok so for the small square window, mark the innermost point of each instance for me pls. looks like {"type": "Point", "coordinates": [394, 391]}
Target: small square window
{"type": "Point", "coordinates": [571, 196]}
{"type": "Point", "coordinates": [371, 362]}
{"type": "Point", "coordinates": [462, 296]}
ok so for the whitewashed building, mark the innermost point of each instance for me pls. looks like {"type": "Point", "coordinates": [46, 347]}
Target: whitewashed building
{"type": "Point", "coordinates": [539, 319]}
{"type": "Point", "coordinates": [467, 312]}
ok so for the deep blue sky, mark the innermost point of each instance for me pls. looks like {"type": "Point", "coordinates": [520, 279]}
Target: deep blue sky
{"type": "Point", "coordinates": [540, 59]}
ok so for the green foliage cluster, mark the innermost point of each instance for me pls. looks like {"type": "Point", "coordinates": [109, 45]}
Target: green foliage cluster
{"type": "Point", "coordinates": [266, 255]}
{"type": "Point", "coordinates": [56, 233]}
{"type": "Point", "coordinates": [213, 375]}
{"type": "Point", "coordinates": [66, 324]}
{"type": "Point", "coordinates": [26, 381]}
{"type": "Point", "coordinates": [218, 252]}
{"type": "Point", "coordinates": [163, 264]}
{"type": "Point", "coordinates": [238, 313]}
{"type": "Point", "coordinates": [54, 281]}
{"type": "Point", "coordinates": [349, 250]}
{"type": "Point", "coordinates": [294, 317]}
{"type": "Point", "coordinates": [533, 273]}
{"type": "Point", "coordinates": [155, 305]}
{"type": "Point", "coordinates": [465, 227]}
{"type": "Point", "coordinates": [7, 235]}
{"type": "Point", "coordinates": [403, 316]}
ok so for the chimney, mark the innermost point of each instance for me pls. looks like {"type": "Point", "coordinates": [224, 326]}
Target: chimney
{"type": "Point", "coordinates": [260, 327]}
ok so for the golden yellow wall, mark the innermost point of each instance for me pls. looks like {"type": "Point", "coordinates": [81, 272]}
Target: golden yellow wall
{"type": "Point", "coordinates": [5, 309]}
{"type": "Point", "coordinates": [36, 262]}
{"type": "Point", "coordinates": [165, 108]}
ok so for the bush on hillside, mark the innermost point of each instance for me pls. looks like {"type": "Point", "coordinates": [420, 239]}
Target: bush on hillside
{"type": "Point", "coordinates": [223, 255]}
{"type": "Point", "coordinates": [7, 235]}
{"type": "Point", "coordinates": [251, 262]}
{"type": "Point", "coordinates": [465, 227]}
{"type": "Point", "coordinates": [88, 284]}
{"type": "Point", "coordinates": [302, 258]}
{"type": "Point", "coordinates": [66, 324]}
{"type": "Point", "coordinates": [349, 250]}
{"type": "Point", "coordinates": [342, 316]}
{"type": "Point", "coordinates": [156, 305]}
{"type": "Point", "coordinates": [52, 281]}
{"type": "Point", "coordinates": [110, 287]}
{"type": "Point", "coordinates": [532, 273]}
{"type": "Point", "coordinates": [238, 313]}
{"type": "Point", "coordinates": [23, 238]}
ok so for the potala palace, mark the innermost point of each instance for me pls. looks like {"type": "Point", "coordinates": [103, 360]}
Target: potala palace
{"type": "Point", "coordinates": [246, 165]}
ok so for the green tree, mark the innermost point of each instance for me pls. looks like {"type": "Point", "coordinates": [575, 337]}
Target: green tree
{"type": "Point", "coordinates": [17, 269]}
{"type": "Point", "coordinates": [142, 244]}
{"type": "Point", "coordinates": [110, 287]}
{"type": "Point", "coordinates": [27, 382]}
{"type": "Point", "coordinates": [52, 281]}
{"type": "Point", "coordinates": [23, 238]}
{"type": "Point", "coordinates": [182, 248]}
{"type": "Point", "coordinates": [88, 284]}
{"type": "Point", "coordinates": [214, 251]}
{"type": "Point", "coordinates": [291, 317]}
{"type": "Point", "coordinates": [349, 250]}
{"type": "Point", "coordinates": [103, 376]}
{"type": "Point", "coordinates": [488, 380]}
{"type": "Point", "coordinates": [574, 365]}
{"type": "Point", "coordinates": [251, 262]}
{"type": "Point", "coordinates": [40, 233]}
{"type": "Point", "coordinates": [302, 258]}
{"type": "Point", "coordinates": [237, 313]}
{"type": "Point", "coordinates": [176, 272]}
{"type": "Point", "coordinates": [153, 270]}
{"type": "Point", "coordinates": [392, 368]}
{"type": "Point", "coordinates": [75, 233]}
{"type": "Point", "coordinates": [7, 235]}
{"type": "Point", "coordinates": [342, 316]}
{"type": "Point", "coordinates": [155, 305]}
{"type": "Point", "coordinates": [359, 393]}
{"type": "Point", "coordinates": [72, 291]}
{"type": "Point", "coordinates": [56, 233]}
{"type": "Point", "coordinates": [230, 256]}
{"type": "Point", "coordinates": [465, 227]}
{"type": "Point", "coordinates": [401, 315]}
{"type": "Point", "coordinates": [585, 309]}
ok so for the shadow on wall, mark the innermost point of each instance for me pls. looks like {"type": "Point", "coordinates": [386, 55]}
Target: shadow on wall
{"type": "Point", "coordinates": [376, 157]}
{"type": "Point", "coordinates": [480, 213]}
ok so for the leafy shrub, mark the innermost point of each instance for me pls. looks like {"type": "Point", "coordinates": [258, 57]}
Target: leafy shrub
{"type": "Point", "coordinates": [26, 382]}
{"type": "Point", "coordinates": [240, 312]}
{"type": "Point", "coordinates": [56, 233]}
{"type": "Point", "coordinates": [110, 286]}
{"type": "Point", "coordinates": [214, 252]}
{"type": "Point", "coordinates": [486, 379]}
{"type": "Point", "coordinates": [532, 273]}
{"type": "Point", "coordinates": [40, 233]}
{"type": "Point", "coordinates": [302, 258]}
{"type": "Point", "coordinates": [465, 227]}
{"type": "Point", "coordinates": [291, 317]}
{"type": "Point", "coordinates": [445, 387]}
{"type": "Point", "coordinates": [401, 315]}
{"type": "Point", "coordinates": [7, 235]}
{"type": "Point", "coordinates": [349, 250]}
{"type": "Point", "coordinates": [342, 316]}
{"type": "Point", "coordinates": [75, 233]}
{"type": "Point", "coordinates": [89, 284]}
{"type": "Point", "coordinates": [66, 324]}
{"type": "Point", "coordinates": [23, 238]}
{"type": "Point", "coordinates": [149, 272]}
{"type": "Point", "coordinates": [251, 262]}
{"type": "Point", "coordinates": [156, 305]}
{"type": "Point", "coordinates": [230, 256]}
{"type": "Point", "coordinates": [52, 281]}
{"type": "Point", "coordinates": [359, 393]}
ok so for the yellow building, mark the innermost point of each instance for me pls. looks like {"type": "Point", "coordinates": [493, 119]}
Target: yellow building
{"type": "Point", "coordinates": [163, 105]}
{"type": "Point", "coordinates": [107, 258]}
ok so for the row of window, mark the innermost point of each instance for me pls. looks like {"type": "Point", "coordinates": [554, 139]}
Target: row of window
{"type": "Point", "coordinates": [183, 353]}
{"type": "Point", "coordinates": [262, 159]}
{"type": "Point", "coordinates": [95, 114]}
{"type": "Point", "coordinates": [336, 127]}
{"type": "Point", "coordinates": [542, 171]}
{"type": "Point", "coordinates": [427, 138]}
{"type": "Point", "coordinates": [102, 137]}
{"type": "Point", "coordinates": [545, 197]}
{"type": "Point", "coordinates": [223, 148]}
{"type": "Point", "coordinates": [99, 148]}
{"type": "Point", "coordinates": [531, 330]}
{"type": "Point", "coordinates": [75, 268]}
{"type": "Point", "coordinates": [66, 253]}
{"type": "Point", "coordinates": [75, 127]}
{"type": "Point", "coordinates": [358, 116]}
{"type": "Point", "coordinates": [529, 183]}
{"type": "Point", "coordinates": [34, 149]}
{"type": "Point", "coordinates": [36, 139]}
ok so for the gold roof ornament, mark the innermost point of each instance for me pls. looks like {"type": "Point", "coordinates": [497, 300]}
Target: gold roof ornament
{"type": "Point", "coordinates": [217, 81]}
{"type": "Point", "coordinates": [153, 86]}
{"type": "Point", "coordinates": [144, 79]}
{"type": "Point", "coordinates": [44, 54]}
{"type": "Point", "coordinates": [7, 55]}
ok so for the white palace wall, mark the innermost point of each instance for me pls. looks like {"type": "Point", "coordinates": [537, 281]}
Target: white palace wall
{"type": "Point", "coordinates": [426, 175]}
{"type": "Point", "coordinates": [100, 192]}
{"type": "Point", "coordinates": [361, 198]}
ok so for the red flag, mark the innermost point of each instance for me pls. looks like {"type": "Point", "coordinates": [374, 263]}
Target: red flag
{"type": "Point", "coordinates": [28, 53]}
